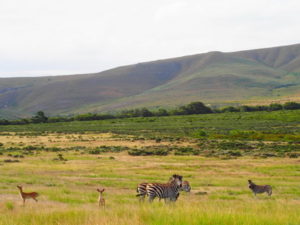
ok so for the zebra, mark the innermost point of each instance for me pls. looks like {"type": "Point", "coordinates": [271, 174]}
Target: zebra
{"type": "Point", "coordinates": [186, 186]}
{"type": "Point", "coordinates": [168, 191]}
{"type": "Point", "coordinates": [141, 189]}
{"type": "Point", "coordinates": [260, 188]}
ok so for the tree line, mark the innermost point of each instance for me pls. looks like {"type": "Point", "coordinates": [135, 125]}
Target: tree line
{"type": "Point", "coordinates": [189, 109]}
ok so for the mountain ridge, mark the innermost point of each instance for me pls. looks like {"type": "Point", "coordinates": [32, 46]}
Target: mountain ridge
{"type": "Point", "coordinates": [217, 78]}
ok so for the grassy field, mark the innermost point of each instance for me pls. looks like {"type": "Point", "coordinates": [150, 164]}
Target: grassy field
{"type": "Point", "coordinates": [217, 154]}
{"type": "Point", "coordinates": [66, 173]}
{"type": "Point", "coordinates": [277, 125]}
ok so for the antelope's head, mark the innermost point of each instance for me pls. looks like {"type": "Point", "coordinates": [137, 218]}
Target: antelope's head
{"type": "Point", "coordinates": [100, 190]}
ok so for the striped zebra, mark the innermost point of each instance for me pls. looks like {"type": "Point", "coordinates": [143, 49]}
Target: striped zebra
{"type": "Point", "coordinates": [257, 189]}
{"type": "Point", "coordinates": [141, 189]}
{"type": "Point", "coordinates": [185, 187]}
{"type": "Point", "coordinates": [168, 191]}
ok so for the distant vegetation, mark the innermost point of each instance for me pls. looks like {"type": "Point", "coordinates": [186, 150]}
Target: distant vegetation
{"type": "Point", "coordinates": [190, 109]}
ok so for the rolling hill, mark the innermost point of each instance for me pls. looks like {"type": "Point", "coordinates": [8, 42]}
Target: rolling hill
{"type": "Point", "coordinates": [245, 77]}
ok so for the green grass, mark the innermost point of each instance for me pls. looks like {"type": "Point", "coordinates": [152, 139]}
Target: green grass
{"type": "Point", "coordinates": [68, 190]}
{"type": "Point", "coordinates": [279, 125]}
{"type": "Point", "coordinates": [220, 193]}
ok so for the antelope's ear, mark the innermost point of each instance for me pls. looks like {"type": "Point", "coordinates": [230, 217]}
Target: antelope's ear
{"type": "Point", "coordinates": [103, 189]}
{"type": "Point", "coordinates": [98, 189]}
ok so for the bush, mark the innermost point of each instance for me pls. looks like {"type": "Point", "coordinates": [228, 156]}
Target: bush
{"type": "Point", "coordinates": [148, 151]}
{"type": "Point", "coordinates": [291, 105]}
{"type": "Point", "coordinates": [186, 151]}
{"type": "Point", "coordinates": [293, 154]}
{"type": "Point", "coordinates": [200, 134]}
{"type": "Point", "coordinates": [60, 157]}
{"type": "Point", "coordinates": [9, 205]}
{"type": "Point", "coordinates": [275, 107]}
{"type": "Point", "coordinates": [11, 160]}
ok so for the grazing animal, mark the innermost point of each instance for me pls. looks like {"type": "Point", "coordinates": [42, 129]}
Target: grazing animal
{"type": "Point", "coordinates": [257, 189]}
{"type": "Point", "coordinates": [168, 191]}
{"type": "Point", "coordinates": [141, 189]}
{"type": "Point", "coordinates": [28, 195]}
{"type": "Point", "coordinates": [101, 200]}
{"type": "Point", "coordinates": [186, 186]}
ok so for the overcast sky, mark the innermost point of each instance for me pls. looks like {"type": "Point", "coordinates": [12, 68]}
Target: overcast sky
{"type": "Point", "coordinates": [53, 37]}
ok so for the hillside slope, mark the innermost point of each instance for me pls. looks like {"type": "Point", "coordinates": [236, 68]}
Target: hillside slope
{"type": "Point", "coordinates": [262, 75]}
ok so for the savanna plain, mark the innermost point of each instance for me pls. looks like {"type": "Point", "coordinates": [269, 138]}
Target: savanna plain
{"type": "Point", "coordinates": [66, 162]}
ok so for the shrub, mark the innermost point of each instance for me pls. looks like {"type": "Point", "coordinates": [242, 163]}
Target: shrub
{"type": "Point", "coordinates": [275, 106]}
{"type": "Point", "coordinates": [30, 147]}
{"type": "Point", "coordinates": [148, 151]}
{"type": "Point", "coordinates": [200, 134]}
{"type": "Point", "coordinates": [9, 205]}
{"type": "Point", "coordinates": [186, 151]}
{"type": "Point", "coordinates": [293, 154]}
{"type": "Point", "coordinates": [60, 157]}
{"type": "Point", "coordinates": [11, 160]}
{"type": "Point", "coordinates": [291, 105]}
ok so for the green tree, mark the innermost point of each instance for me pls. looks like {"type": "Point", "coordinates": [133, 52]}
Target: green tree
{"type": "Point", "coordinates": [291, 105]}
{"type": "Point", "coordinates": [162, 112]}
{"type": "Point", "coordinates": [275, 107]}
{"type": "Point", "coordinates": [39, 117]}
{"type": "Point", "coordinates": [197, 108]}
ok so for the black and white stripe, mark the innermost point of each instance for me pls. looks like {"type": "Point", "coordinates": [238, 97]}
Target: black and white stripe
{"type": "Point", "coordinates": [168, 191]}
{"type": "Point", "coordinates": [141, 190]}
{"type": "Point", "coordinates": [186, 186]}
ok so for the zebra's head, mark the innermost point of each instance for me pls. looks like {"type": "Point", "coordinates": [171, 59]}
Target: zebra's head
{"type": "Point", "coordinates": [251, 184]}
{"type": "Point", "coordinates": [186, 186]}
{"type": "Point", "coordinates": [177, 179]}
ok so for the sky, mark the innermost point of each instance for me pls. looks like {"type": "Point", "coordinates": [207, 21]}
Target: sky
{"type": "Point", "coordinates": [59, 37]}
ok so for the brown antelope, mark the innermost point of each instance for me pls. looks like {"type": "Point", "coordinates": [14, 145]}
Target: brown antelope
{"type": "Point", "coordinates": [101, 199]}
{"type": "Point", "coordinates": [257, 189]}
{"type": "Point", "coordinates": [28, 195]}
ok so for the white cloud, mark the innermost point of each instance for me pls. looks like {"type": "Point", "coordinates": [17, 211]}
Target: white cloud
{"type": "Point", "coordinates": [69, 36]}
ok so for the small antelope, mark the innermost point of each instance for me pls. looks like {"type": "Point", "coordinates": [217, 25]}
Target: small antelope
{"type": "Point", "coordinates": [101, 199]}
{"type": "Point", "coordinates": [260, 188]}
{"type": "Point", "coordinates": [28, 195]}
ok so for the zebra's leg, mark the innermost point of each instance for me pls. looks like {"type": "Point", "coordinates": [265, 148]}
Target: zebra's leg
{"type": "Point", "coordinates": [270, 193]}
{"type": "Point", "coordinates": [151, 198]}
{"type": "Point", "coordinates": [142, 198]}
{"type": "Point", "coordinates": [254, 193]}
